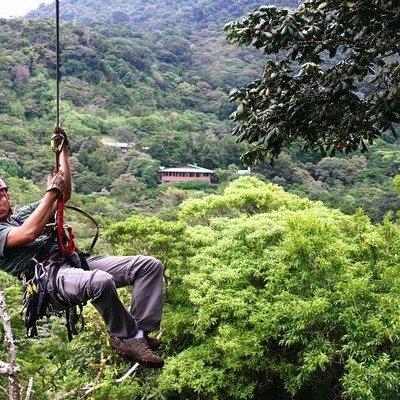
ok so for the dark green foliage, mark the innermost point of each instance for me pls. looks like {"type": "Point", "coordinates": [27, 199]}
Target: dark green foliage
{"type": "Point", "coordinates": [114, 88]}
{"type": "Point", "coordinates": [146, 168]}
{"type": "Point", "coordinates": [171, 111]}
{"type": "Point", "coordinates": [153, 14]}
{"type": "Point", "coordinates": [141, 38]}
{"type": "Point", "coordinates": [195, 185]}
{"type": "Point", "coordinates": [347, 182]}
{"type": "Point", "coordinates": [333, 84]}
{"type": "Point", "coordinates": [274, 296]}
{"type": "Point", "coordinates": [128, 189]}
{"type": "Point", "coordinates": [270, 296]}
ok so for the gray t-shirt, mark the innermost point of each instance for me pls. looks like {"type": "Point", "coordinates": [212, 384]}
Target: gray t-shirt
{"type": "Point", "coordinates": [17, 260]}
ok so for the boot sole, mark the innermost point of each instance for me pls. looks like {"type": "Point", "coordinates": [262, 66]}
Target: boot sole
{"type": "Point", "coordinates": [142, 363]}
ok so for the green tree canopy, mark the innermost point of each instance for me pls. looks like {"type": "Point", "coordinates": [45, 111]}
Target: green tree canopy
{"type": "Point", "coordinates": [274, 297]}
{"type": "Point", "coordinates": [333, 84]}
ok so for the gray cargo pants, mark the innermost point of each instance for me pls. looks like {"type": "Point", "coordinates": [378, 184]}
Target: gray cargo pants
{"type": "Point", "coordinates": [100, 284]}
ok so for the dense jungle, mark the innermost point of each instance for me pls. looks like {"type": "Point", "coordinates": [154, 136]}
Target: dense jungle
{"type": "Point", "coordinates": [281, 284]}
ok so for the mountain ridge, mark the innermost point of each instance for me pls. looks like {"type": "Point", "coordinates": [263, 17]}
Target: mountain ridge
{"type": "Point", "coordinates": [152, 14]}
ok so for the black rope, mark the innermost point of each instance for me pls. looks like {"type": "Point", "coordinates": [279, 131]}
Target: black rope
{"type": "Point", "coordinates": [58, 60]}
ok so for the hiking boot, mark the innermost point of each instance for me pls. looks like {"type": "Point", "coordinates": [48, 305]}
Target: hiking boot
{"type": "Point", "coordinates": [137, 350]}
{"type": "Point", "coordinates": [153, 343]}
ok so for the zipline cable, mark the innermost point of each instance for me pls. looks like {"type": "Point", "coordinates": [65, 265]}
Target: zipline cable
{"type": "Point", "coordinates": [65, 236]}
{"type": "Point", "coordinates": [58, 67]}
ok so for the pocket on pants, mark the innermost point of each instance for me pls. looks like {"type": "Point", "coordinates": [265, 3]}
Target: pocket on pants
{"type": "Point", "coordinates": [72, 285]}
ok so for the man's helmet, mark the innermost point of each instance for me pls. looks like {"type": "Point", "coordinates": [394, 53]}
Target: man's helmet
{"type": "Point", "coordinates": [3, 185]}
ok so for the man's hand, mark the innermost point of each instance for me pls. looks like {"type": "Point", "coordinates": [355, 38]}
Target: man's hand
{"type": "Point", "coordinates": [59, 139]}
{"type": "Point", "coordinates": [60, 147]}
{"type": "Point", "coordinates": [56, 182]}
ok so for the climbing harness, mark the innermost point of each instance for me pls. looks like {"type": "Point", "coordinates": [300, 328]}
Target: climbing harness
{"type": "Point", "coordinates": [38, 302]}
{"type": "Point", "coordinates": [36, 298]}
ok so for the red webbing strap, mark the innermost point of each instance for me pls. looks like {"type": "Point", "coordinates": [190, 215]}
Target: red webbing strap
{"type": "Point", "coordinates": [65, 236]}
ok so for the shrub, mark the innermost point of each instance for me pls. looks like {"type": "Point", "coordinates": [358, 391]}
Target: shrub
{"type": "Point", "coordinates": [278, 297]}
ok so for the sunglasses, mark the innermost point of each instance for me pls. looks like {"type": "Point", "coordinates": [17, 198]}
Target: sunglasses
{"type": "Point", "coordinates": [3, 193]}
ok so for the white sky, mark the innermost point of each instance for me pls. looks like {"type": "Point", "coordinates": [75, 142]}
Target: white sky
{"type": "Point", "coordinates": [18, 8]}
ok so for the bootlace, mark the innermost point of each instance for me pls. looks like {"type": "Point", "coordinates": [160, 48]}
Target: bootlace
{"type": "Point", "coordinates": [144, 348]}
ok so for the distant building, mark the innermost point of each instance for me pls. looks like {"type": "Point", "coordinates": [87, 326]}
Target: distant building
{"type": "Point", "coordinates": [120, 145]}
{"type": "Point", "coordinates": [107, 141]}
{"type": "Point", "coordinates": [242, 172]}
{"type": "Point", "coordinates": [187, 172]}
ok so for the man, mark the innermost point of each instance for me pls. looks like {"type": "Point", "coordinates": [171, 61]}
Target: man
{"type": "Point", "coordinates": [22, 238]}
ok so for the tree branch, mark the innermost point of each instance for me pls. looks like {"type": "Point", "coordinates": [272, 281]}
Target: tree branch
{"type": "Point", "coordinates": [12, 367]}
{"type": "Point", "coordinates": [8, 369]}
{"type": "Point", "coordinates": [29, 391]}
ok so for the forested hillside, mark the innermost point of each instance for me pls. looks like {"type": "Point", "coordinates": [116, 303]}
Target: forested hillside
{"type": "Point", "coordinates": [163, 90]}
{"type": "Point", "coordinates": [114, 86]}
{"type": "Point", "coordinates": [164, 93]}
{"type": "Point", "coordinates": [182, 16]}
{"type": "Point", "coordinates": [187, 34]}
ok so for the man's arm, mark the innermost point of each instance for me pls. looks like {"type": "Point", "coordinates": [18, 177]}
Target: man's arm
{"type": "Point", "coordinates": [66, 169]}
{"type": "Point", "coordinates": [33, 227]}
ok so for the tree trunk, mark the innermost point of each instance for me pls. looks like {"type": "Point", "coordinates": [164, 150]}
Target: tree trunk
{"type": "Point", "coordinates": [12, 368]}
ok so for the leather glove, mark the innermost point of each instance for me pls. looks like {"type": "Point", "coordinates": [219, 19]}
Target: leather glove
{"type": "Point", "coordinates": [59, 139]}
{"type": "Point", "coordinates": [56, 183]}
